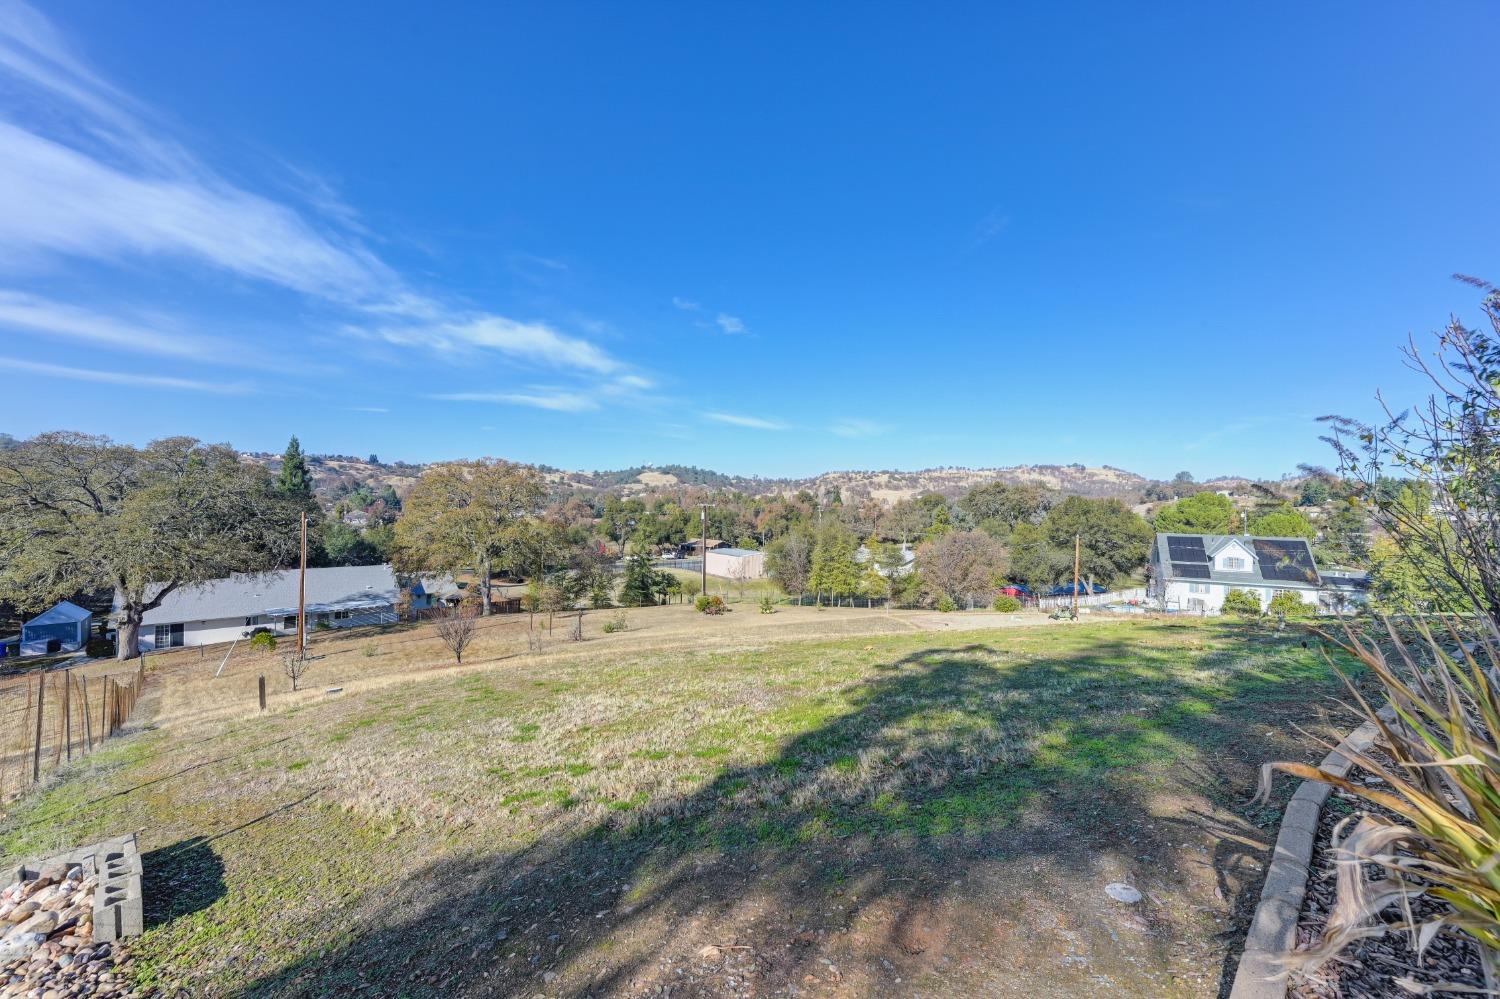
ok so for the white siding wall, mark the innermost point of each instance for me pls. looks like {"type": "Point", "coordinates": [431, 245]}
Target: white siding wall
{"type": "Point", "coordinates": [228, 629]}
{"type": "Point", "coordinates": [737, 566]}
{"type": "Point", "coordinates": [1180, 593]}
{"type": "Point", "coordinates": [1234, 550]}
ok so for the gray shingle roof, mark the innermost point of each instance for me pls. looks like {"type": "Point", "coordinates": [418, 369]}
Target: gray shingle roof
{"type": "Point", "coordinates": [251, 594]}
{"type": "Point", "coordinates": [1213, 544]}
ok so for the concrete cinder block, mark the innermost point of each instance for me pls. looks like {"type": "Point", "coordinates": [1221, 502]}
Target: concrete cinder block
{"type": "Point", "coordinates": [119, 904]}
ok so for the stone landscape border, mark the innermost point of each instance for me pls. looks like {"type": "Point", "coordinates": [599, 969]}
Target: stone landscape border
{"type": "Point", "coordinates": [1273, 928]}
{"type": "Point", "coordinates": [119, 904]}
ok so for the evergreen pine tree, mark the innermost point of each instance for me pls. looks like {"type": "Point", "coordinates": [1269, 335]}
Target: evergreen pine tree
{"type": "Point", "coordinates": [641, 584]}
{"type": "Point", "coordinates": [295, 479]}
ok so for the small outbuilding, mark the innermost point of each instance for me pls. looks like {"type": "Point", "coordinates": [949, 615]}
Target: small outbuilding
{"type": "Point", "coordinates": [739, 564]}
{"type": "Point", "coordinates": [64, 628]}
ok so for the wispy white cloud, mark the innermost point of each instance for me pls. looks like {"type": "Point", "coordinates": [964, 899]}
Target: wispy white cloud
{"type": "Point", "coordinates": [992, 225]}
{"type": "Point", "coordinates": [854, 428]}
{"type": "Point", "coordinates": [557, 400]}
{"type": "Point", "coordinates": [87, 172]}
{"type": "Point", "coordinates": [59, 201]}
{"type": "Point", "coordinates": [723, 320]}
{"type": "Point", "coordinates": [124, 378]}
{"type": "Point", "coordinates": [737, 420]}
{"type": "Point", "coordinates": [21, 310]}
{"type": "Point", "coordinates": [535, 342]}
{"type": "Point", "coordinates": [367, 409]}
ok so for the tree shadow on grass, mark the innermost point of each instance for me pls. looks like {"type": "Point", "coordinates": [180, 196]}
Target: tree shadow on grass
{"type": "Point", "coordinates": [181, 879]}
{"type": "Point", "coordinates": [945, 827]}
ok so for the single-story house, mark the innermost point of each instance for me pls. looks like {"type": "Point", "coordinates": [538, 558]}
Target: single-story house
{"type": "Point", "coordinates": [908, 560]}
{"type": "Point", "coordinates": [434, 591]}
{"type": "Point", "coordinates": [63, 628]}
{"type": "Point", "coordinates": [736, 563]}
{"type": "Point", "coordinates": [1195, 572]}
{"type": "Point", "coordinates": [223, 610]}
{"type": "Point", "coordinates": [691, 549]}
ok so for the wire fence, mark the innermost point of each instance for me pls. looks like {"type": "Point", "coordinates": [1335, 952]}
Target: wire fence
{"type": "Point", "coordinates": [1093, 599]}
{"type": "Point", "coordinates": [48, 719]}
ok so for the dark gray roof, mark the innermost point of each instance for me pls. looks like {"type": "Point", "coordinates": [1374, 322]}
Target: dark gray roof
{"type": "Point", "coordinates": [250, 594]}
{"type": "Point", "coordinates": [1213, 544]}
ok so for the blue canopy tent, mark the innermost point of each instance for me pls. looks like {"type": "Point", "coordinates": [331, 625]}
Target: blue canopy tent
{"type": "Point", "coordinates": [66, 625]}
{"type": "Point", "coordinates": [1066, 590]}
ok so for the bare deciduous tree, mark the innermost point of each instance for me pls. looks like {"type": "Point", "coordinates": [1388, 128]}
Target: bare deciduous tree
{"type": "Point", "coordinates": [295, 664]}
{"type": "Point", "coordinates": [962, 565]}
{"type": "Point", "coordinates": [1443, 515]}
{"type": "Point", "coordinates": [456, 628]}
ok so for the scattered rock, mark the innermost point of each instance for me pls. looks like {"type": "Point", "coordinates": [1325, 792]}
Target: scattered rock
{"type": "Point", "coordinates": [46, 947]}
{"type": "Point", "coordinates": [1121, 892]}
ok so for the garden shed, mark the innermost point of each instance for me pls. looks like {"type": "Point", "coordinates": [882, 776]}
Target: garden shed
{"type": "Point", "coordinates": [66, 624]}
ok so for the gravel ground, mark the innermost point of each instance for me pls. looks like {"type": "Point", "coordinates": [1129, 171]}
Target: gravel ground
{"type": "Point", "coordinates": [1369, 969]}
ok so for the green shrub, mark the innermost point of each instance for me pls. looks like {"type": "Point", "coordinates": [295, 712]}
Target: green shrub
{"type": "Point", "coordinates": [946, 605]}
{"type": "Point", "coordinates": [1242, 602]}
{"type": "Point", "coordinates": [1288, 604]}
{"type": "Point", "coordinates": [1007, 604]}
{"type": "Point", "coordinates": [99, 648]}
{"type": "Point", "coordinates": [709, 604]}
{"type": "Point", "coordinates": [263, 641]}
{"type": "Point", "coordinates": [615, 623]}
{"type": "Point", "coordinates": [767, 605]}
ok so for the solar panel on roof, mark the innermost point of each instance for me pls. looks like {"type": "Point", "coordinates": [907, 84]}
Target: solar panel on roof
{"type": "Point", "coordinates": [1186, 550]}
{"type": "Point", "coordinates": [1190, 570]}
{"type": "Point", "coordinates": [1285, 560]}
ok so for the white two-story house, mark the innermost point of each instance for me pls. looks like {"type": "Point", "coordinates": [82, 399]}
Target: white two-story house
{"type": "Point", "coordinates": [1195, 572]}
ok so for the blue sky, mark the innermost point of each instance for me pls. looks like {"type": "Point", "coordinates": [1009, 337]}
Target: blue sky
{"type": "Point", "coordinates": [773, 239]}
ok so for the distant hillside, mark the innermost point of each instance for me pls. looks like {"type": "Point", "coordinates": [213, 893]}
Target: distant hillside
{"type": "Point", "coordinates": [335, 476]}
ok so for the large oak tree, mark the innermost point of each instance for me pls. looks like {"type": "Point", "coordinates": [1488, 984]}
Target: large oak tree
{"type": "Point", "coordinates": [468, 515]}
{"type": "Point", "coordinates": [80, 512]}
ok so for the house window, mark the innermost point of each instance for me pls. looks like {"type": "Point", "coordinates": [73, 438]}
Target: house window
{"type": "Point", "coordinates": [1197, 606]}
{"type": "Point", "coordinates": [1197, 587]}
{"type": "Point", "coordinates": [1233, 563]}
{"type": "Point", "coordinates": [341, 615]}
{"type": "Point", "coordinates": [163, 636]}
{"type": "Point", "coordinates": [288, 623]}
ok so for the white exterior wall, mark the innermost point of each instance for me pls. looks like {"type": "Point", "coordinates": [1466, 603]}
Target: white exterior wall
{"type": "Point", "coordinates": [223, 630]}
{"type": "Point", "coordinates": [737, 566]}
{"type": "Point", "coordinates": [1234, 550]}
{"type": "Point", "coordinates": [1179, 592]}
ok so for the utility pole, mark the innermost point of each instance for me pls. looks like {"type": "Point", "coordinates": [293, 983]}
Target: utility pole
{"type": "Point", "coordinates": [1077, 554]}
{"type": "Point", "coordinates": [302, 594]}
{"type": "Point", "coordinates": [703, 542]}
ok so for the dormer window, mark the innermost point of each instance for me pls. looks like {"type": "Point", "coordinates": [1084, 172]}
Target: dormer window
{"type": "Point", "coordinates": [1233, 563]}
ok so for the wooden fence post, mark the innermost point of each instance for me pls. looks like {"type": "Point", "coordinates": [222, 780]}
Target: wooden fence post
{"type": "Point", "coordinates": [68, 712]}
{"type": "Point", "coordinates": [263, 692]}
{"type": "Point", "coordinates": [88, 725]}
{"type": "Point", "coordinates": [36, 750]}
{"type": "Point", "coordinates": [103, 708]}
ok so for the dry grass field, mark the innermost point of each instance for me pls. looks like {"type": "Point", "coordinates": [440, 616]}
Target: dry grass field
{"type": "Point", "coordinates": [837, 802]}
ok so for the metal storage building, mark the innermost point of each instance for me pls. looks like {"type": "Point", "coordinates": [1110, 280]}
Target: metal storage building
{"type": "Point", "coordinates": [66, 625]}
